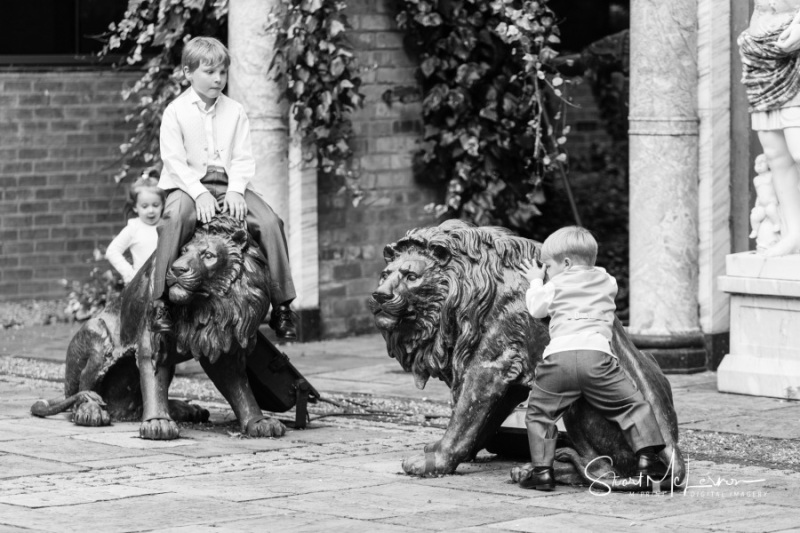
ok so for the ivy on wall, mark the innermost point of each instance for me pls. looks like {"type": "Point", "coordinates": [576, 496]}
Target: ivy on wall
{"type": "Point", "coordinates": [492, 104]}
{"type": "Point", "coordinates": [315, 59]}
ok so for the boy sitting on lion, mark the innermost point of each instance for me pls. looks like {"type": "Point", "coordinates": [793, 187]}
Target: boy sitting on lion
{"type": "Point", "coordinates": [208, 167]}
{"type": "Point", "coordinates": [578, 361]}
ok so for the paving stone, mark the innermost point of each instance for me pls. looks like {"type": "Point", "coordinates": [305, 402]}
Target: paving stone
{"type": "Point", "coordinates": [729, 517]}
{"type": "Point", "coordinates": [66, 449]}
{"type": "Point", "coordinates": [38, 500]}
{"type": "Point", "coordinates": [206, 444]}
{"type": "Point", "coordinates": [132, 440]}
{"type": "Point", "coordinates": [700, 406]}
{"type": "Point", "coordinates": [385, 501]}
{"type": "Point", "coordinates": [386, 380]}
{"type": "Point", "coordinates": [14, 529]}
{"type": "Point", "coordinates": [293, 522]}
{"type": "Point", "coordinates": [319, 434]}
{"type": "Point", "coordinates": [135, 514]}
{"type": "Point", "coordinates": [117, 462]}
{"type": "Point", "coordinates": [575, 523]}
{"type": "Point", "coordinates": [465, 516]}
{"type": "Point", "coordinates": [275, 481]}
{"type": "Point", "coordinates": [776, 424]}
{"type": "Point", "coordinates": [13, 466]}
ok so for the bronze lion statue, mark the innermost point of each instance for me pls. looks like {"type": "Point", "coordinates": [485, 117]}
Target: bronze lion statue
{"type": "Point", "coordinates": [120, 363]}
{"type": "Point", "coordinates": [451, 305]}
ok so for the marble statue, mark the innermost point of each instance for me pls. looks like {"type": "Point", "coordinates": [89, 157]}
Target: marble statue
{"type": "Point", "coordinates": [765, 218]}
{"type": "Point", "coordinates": [771, 76]}
{"type": "Point", "coordinates": [451, 305]}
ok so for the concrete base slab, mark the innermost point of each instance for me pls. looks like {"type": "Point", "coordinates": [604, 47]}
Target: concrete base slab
{"type": "Point", "coordinates": [764, 358]}
{"type": "Point", "coordinates": [759, 376]}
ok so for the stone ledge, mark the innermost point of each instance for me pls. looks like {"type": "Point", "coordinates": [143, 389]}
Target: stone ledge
{"type": "Point", "coordinates": [755, 265]}
{"type": "Point", "coordinates": [759, 286]}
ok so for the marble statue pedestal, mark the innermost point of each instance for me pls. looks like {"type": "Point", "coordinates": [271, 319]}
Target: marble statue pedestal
{"type": "Point", "coordinates": [764, 358]}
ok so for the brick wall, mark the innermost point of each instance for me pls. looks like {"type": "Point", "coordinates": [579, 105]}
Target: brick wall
{"type": "Point", "coordinates": [60, 133]}
{"type": "Point", "coordinates": [351, 240]}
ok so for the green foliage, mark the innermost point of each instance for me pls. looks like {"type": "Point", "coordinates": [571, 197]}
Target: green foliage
{"type": "Point", "coordinates": [85, 300]}
{"type": "Point", "coordinates": [491, 104]}
{"type": "Point", "coordinates": [152, 34]}
{"type": "Point", "coordinates": [315, 59]}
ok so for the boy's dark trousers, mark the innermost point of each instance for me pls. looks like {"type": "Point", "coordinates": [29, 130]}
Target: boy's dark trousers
{"type": "Point", "coordinates": [180, 217]}
{"type": "Point", "coordinates": [563, 377]}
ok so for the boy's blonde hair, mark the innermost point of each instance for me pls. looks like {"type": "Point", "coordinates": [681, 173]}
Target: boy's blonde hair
{"type": "Point", "coordinates": [204, 50]}
{"type": "Point", "coordinates": [574, 242]}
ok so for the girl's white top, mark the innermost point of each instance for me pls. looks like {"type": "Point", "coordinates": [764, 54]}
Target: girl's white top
{"type": "Point", "coordinates": [141, 239]}
{"type": "Point", "coordinates": [580, 303]}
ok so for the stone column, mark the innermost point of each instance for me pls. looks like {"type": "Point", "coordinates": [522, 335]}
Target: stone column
{"type": "Point", "coordinates": [289, 189]}
{"type": "Point", "coordinates": [664, 183]}
{"type": "Point", "coordinates": [251, 84]}
{"type": "Point", "coordinates": [714, 192]}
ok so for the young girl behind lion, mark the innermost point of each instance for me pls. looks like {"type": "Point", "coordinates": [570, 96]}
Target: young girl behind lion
{"type": "Point", "coordinates": [139, 236]}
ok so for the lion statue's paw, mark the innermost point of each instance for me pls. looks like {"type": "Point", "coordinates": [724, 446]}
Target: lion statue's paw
{"type": "Point", "coordinates": [266, 427]}
{"type": "Point", "coordinates": [90, 413]}
{"type": "Point", "coordinates": [159, 429]}
{"type": "Point", "coordinates": [427, 465]}
{"type": "Point", "coordinates": [518, 473]}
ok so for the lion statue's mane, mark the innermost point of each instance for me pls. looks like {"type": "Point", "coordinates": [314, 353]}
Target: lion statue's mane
{"type": "Point", "coordinates": [233, 302]}
{"type": "Point", "coordinates": [457, 299]}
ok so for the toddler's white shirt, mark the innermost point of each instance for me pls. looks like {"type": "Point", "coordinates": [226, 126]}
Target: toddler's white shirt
{"type": "Point", "coordinates": [141, 239]}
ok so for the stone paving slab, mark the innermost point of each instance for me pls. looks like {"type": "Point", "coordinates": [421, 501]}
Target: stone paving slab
{"type": "Point", "coordinates": [575, 523]}
{"type": "Point", "coordinates": [278, 481]}
{"type": "Point", "coordinates": [469, 516]}
{"type": "Point", "coordinates": [743, 515]}
{"type": "Point", "coordinates": [777, 424]}
{"type": "Point", "coordinates": [703, 405]}
{"type": "Point", "coordinates": [135, 514]}
{"type": "Point", "coordinates": [295, 522]}
{"type": "Point", "coordinates": [13, 466]}
{"type": "Point", "coordinates": [36, 500]}
{"type": "Point", "coordinates": [67, 450]}
{"type": "Point", "coordinates": [401, 498]}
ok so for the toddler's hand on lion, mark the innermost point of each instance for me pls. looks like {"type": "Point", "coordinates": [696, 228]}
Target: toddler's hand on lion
{"type": "Point", "coordinates": [532, 271]}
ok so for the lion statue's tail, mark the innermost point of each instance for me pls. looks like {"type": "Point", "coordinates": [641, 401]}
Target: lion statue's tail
{"type": "Point", "coordinates": [44, 408]}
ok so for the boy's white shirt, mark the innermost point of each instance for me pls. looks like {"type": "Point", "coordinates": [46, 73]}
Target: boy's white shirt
{"type": "Point", "coordinates": [184, 145]}
{"type": "Point", "coordinates": [538, 299]}
{"type": "Point", "coordinates": [141, 239]}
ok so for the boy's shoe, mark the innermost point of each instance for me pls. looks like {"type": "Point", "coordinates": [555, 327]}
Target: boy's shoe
{"type": "Point", "coordinates": [648, 464]}
{"type": "Point", "coordinates": [282, 321]}
{"type": "Point", "coordinates": [650, 469]}
{"type": "Point", "coordinates": [542, 478]}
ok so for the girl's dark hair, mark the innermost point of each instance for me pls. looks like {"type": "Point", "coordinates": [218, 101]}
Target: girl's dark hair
{"type": "Point", "coordinates": [147, 182]}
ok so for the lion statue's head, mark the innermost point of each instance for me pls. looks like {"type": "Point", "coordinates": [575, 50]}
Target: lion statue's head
{"type": "Point", "coordinates": [443, 289]}
{"type": "Point", "coordinates": [218, 291]}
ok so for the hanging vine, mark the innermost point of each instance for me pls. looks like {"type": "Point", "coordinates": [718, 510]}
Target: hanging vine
{"type": "Point", "coordinates": [492, 104]}
{"type": "Point", "coordinates": [315, 59]}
